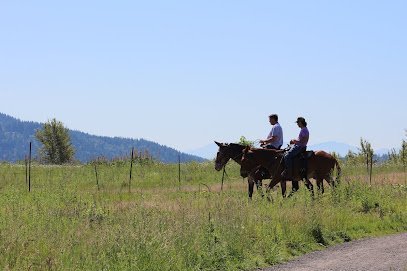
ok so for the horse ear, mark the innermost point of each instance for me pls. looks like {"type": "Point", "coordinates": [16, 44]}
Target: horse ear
{"type": "Point", "coordinates": [219, 144]}
{"type": "Point", "coordinates": [246, 149]}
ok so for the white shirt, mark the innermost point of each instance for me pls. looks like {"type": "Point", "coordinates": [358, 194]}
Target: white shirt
{"type": "Point", "coordinates": [277, 131]}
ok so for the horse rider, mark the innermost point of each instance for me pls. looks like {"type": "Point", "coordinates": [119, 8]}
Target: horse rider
{"type": "Point", "coordinates": [296, 146]}
{"type": "Point", "coordinates": [275, 137]}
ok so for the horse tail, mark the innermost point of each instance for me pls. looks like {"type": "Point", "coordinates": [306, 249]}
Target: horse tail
{"type": "Point", "coordinates": [338, 172]}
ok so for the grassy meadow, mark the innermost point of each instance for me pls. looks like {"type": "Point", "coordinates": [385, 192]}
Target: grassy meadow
{"type": "Point", "coordinates": [68, 222]}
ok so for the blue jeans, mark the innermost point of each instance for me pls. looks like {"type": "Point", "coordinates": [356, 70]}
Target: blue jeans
{"type": "Point", "coordinates": [290, 154]}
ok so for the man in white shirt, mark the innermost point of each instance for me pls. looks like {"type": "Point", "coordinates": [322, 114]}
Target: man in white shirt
{"type": "Point", "coordinates": [275, 138]}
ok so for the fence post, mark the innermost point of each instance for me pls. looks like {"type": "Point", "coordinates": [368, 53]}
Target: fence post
{"type": "Point", "coordinates": [371, 168]}
{"type": "Point", "coordinates": [29, 170]}
{"type": "Point", "coordinates": [403, 158]}
{"type": "Point", "coordinates": [131, 167]}
{"type": "Point", "coordinates": [96, 174]}
{"type": "Point", "coordinates": [179, 170]}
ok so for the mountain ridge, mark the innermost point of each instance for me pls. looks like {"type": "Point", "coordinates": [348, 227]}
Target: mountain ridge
{"type": "Point", "coordinates": [16, 134]}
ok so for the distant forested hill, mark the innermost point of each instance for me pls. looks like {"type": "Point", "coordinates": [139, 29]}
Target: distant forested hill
{"type": "Point", "coordinates": [15, 136]}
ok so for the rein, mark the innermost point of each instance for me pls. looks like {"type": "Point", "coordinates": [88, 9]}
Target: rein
{"type": "Point", "coordinates": [224, 171]}
{"type": "Point", "coordinates": [223, 176]}
{"type": "Point", "coordinates": [236, 157]}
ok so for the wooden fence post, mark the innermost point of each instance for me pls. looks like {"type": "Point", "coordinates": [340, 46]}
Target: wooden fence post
{"type": "Point", "coordinates": [403, 158]}
{"type": "Point", "coordinates": [371, 168]}
{"type": "Point", "coordinates": [179, 170]}
{"type": "Point", "coordinates": [97, 179]}
{"type": "Point", "coordinates": [131, 167]}
{"type": "Point", "coordinates": [29, 170]}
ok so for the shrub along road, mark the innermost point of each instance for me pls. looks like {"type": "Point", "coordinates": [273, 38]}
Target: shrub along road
{"type": "Point", "coordinates": [382, 253]}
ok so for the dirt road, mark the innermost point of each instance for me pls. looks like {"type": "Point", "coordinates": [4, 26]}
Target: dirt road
{"type": "Point", "coordinates": [384, 253]}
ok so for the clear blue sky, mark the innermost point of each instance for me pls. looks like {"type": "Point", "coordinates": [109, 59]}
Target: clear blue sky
{"type": "Point", "coordinates": [185, 73]}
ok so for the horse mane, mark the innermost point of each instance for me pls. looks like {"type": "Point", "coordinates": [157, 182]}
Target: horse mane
{"type": "Point", "coordinates": [261, 151]}
{"type": "Point", "coordinates": [235, 147]}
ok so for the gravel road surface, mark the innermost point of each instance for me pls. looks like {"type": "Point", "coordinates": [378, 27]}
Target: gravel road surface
{"type": "Point", "coordinates": [387, 253]}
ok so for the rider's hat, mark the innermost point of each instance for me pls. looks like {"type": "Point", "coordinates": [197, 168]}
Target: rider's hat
{"type": "Point", "coordinates": [301, 120]}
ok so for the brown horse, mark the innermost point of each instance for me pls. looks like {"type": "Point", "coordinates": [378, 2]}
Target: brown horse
{"type": "Point", "coordinates": [319, 167]}
{"type": "Point", "coordinates": [235, 152]}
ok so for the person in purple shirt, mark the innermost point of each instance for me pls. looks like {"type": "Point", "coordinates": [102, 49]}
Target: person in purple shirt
{"type": "Point", "coordinates": [296, 146]}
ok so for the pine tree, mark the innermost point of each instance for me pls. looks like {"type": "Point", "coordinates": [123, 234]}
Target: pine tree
{"type": "Point", "coordinates": [56, 143]}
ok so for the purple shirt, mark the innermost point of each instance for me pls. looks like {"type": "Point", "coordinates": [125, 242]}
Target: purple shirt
{"type": "Point", "coordinates": [303, 137]}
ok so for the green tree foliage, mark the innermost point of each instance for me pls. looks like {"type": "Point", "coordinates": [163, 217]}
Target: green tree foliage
{"type": "Point", "coordinates": [366, 151]}
{"type": "Point", "coordinates": [351, 157]}
{"type": "Point", "coordinates": [398, 157]}
{"type": "Point", "coordinates": [56, 143]}
{"type": "Point", "coordinates": [365, 148]}
{"type": "Point", "coordinates": [246, 142]}
{"type": "Point", "coordinates": [403, 152]}
{"type": "Point", "coordinates": [393, 156]}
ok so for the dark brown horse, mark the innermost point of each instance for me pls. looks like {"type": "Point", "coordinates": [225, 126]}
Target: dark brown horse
{"type": "Point", "coordinates": [235, 152]}
{"type": "Point", "coordinates": [319, 167]}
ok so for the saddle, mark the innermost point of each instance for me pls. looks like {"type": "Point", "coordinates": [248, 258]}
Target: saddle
{"type": "Point", "coordinates": [302, 158]}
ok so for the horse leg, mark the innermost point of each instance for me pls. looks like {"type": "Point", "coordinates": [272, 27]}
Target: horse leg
{"type": "Point", "coordinates": [250, 181]}
{"type": "Point", "coordinates": [295, 186]}
{"type": "Point", "coordinates": [331, 180]}
{"type": "Point", "coordinates": [310, 187]}
{"type": "Point", "coordinates": [259, 186]}
{"type": "Point", "coordinates": [269, 187]}
{"type": "Point", "coordinates": [283, 188]}
{"type": "Point", "coordinates": [320, 185]}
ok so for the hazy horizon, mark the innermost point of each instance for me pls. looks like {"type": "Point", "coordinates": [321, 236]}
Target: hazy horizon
{"type": "Point", "coordinates": [209, 150]}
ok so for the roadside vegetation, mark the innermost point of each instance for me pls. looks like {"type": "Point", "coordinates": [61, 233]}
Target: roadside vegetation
{"type": "Point", "coordinates": [139, 214]}
{"type": "Point", "coordinates": [178, 218]}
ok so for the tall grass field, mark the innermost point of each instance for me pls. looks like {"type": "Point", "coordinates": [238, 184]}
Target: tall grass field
{"type": "Point", "coordinates": [171, 218]}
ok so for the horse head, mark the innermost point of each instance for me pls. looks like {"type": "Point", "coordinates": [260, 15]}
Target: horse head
{"type": "Point", "coordinates": [222, 156]}
{"type": "Point", "coordinates": [227, 151]}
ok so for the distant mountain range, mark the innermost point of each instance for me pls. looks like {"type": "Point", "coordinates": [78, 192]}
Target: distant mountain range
{"type": "Point", "coordinates": [209, 151]}
{"type": "Point", "coordinates": [15, 136]}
